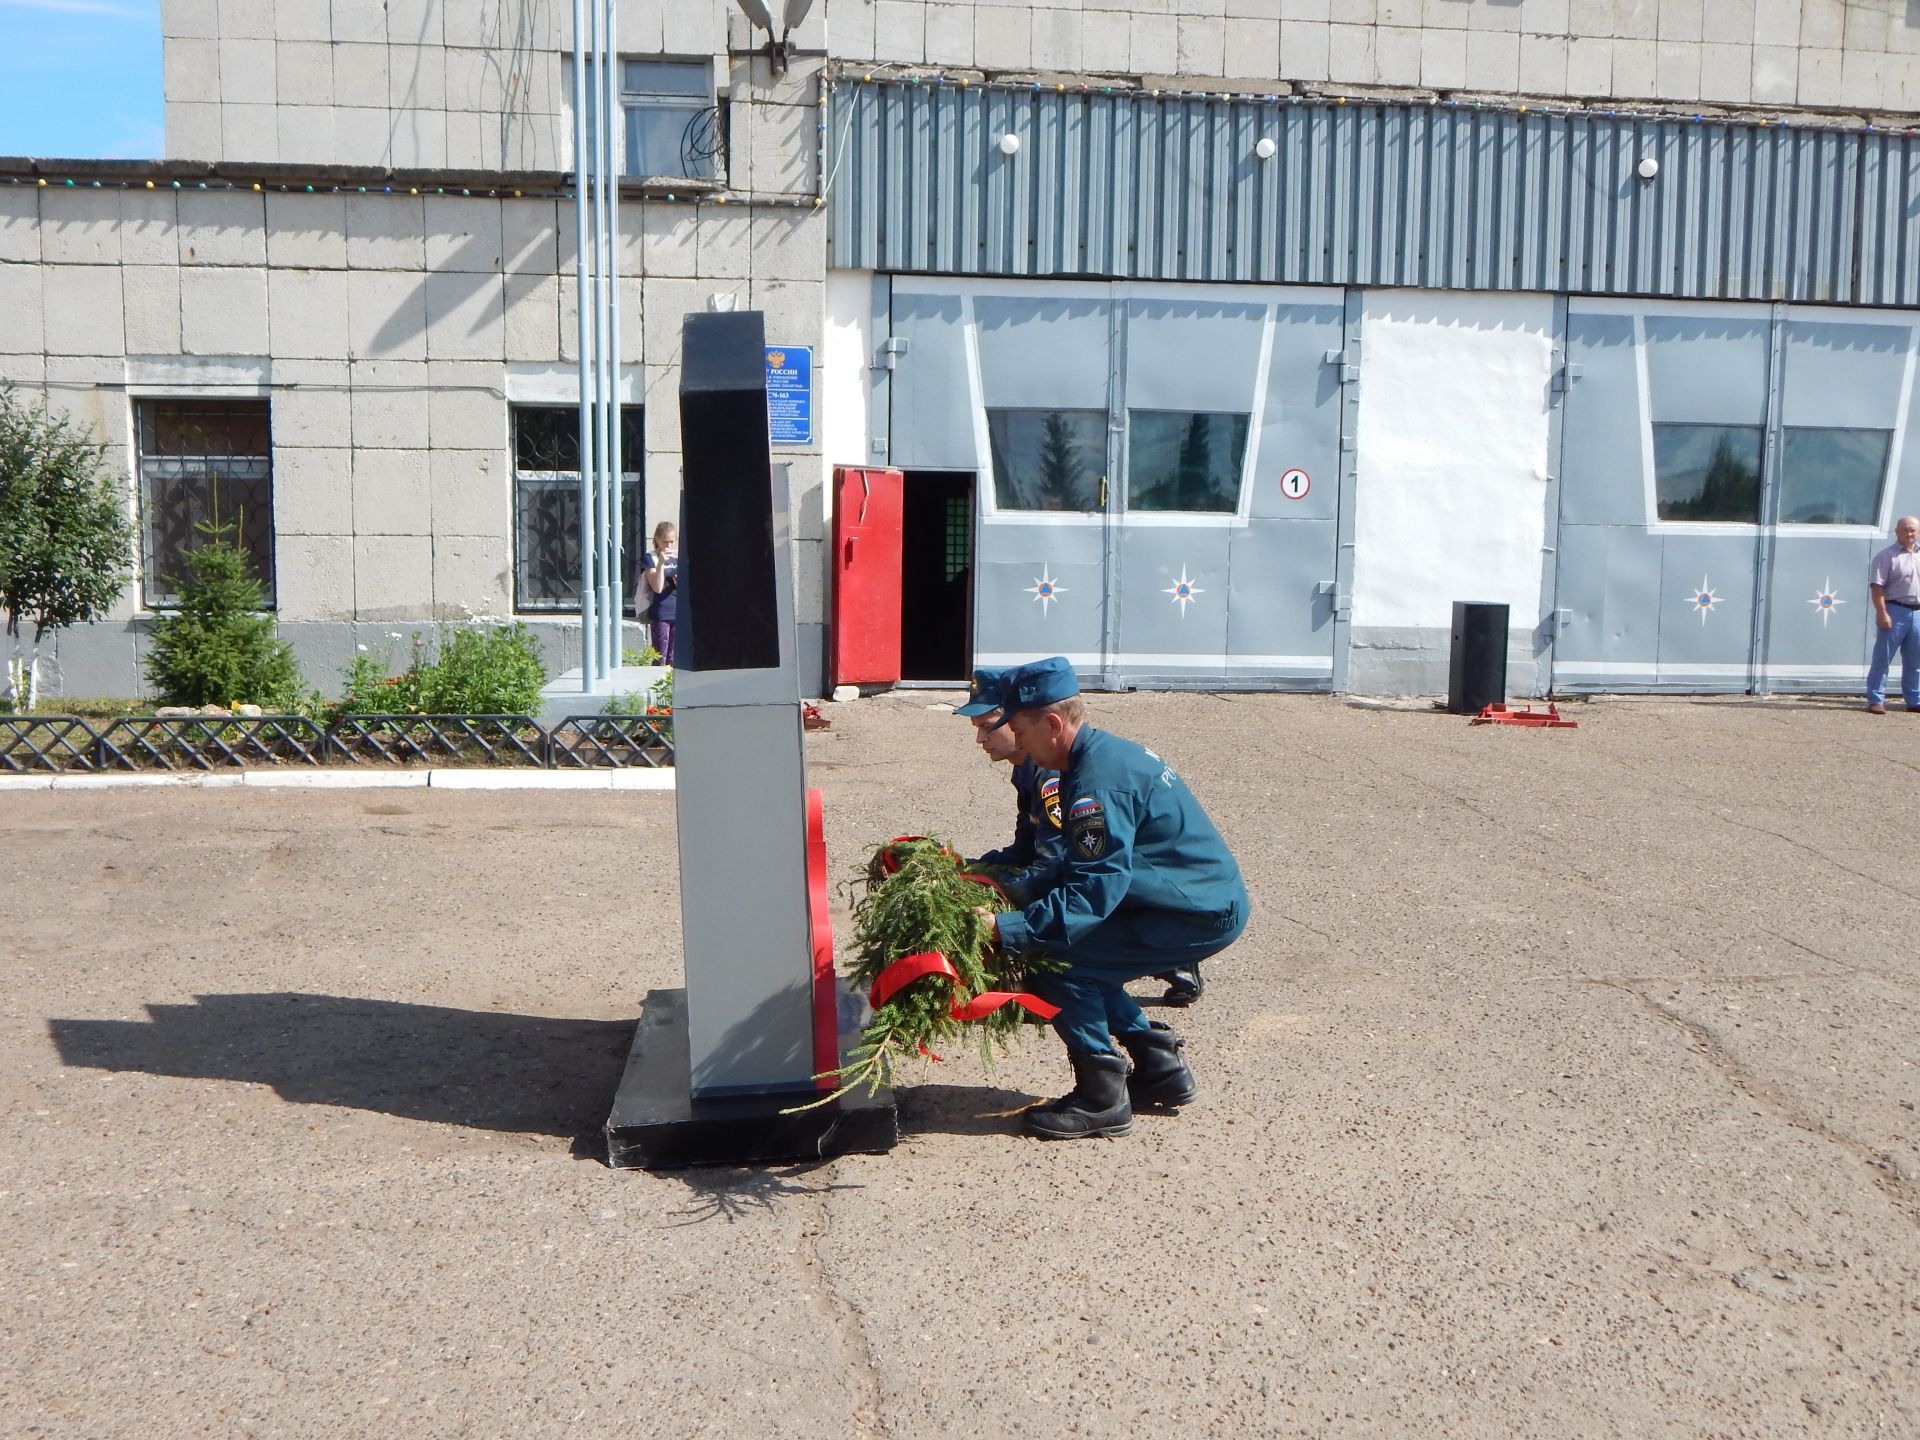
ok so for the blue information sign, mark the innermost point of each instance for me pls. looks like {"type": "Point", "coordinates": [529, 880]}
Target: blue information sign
{"type": "Point", "coordinates": [790, 394]}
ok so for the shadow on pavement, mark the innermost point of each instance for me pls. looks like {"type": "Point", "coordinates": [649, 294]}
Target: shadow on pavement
{"type": "Point", "coordinates": [477, 1068]}
{"type": "Point", "coordinates": [728, 1192]}
{"type": "Point", "coordinates": [961, 1109]}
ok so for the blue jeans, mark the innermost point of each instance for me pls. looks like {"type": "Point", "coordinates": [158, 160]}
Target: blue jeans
{"type": "Point", "coordinates": [1904, 637]}
{"type": "Point", "coordinates": [1127, 945]}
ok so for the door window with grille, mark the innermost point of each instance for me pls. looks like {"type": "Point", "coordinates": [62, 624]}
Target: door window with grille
{"type": "Point", "coordinates": [546, 506]}
{"type": "Point", "coordinates": [202, 463]}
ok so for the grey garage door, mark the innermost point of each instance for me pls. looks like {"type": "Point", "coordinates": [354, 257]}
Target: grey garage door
{"type": "Point", "coordinates": [1159, 470]}
{"type": "Point", "coordinates": [1726, 473]}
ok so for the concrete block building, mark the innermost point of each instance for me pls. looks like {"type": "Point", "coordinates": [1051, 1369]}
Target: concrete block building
{"type": "Point", "coordinates": [1226, 342]}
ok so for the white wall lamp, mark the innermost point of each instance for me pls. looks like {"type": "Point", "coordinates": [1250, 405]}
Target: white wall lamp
{"type": "Point", "coordinates": [1009, 144]}
{"type": "Point", "coordinates": [1265, 148]}
{"type": "Point", "coordinates": [779, 51]}
{"type": "Point", "coordinates": [1647, 168]}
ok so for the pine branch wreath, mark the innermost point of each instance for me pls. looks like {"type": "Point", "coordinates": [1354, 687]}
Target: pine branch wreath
{"type": "Point", "coordinates": [919, 905]}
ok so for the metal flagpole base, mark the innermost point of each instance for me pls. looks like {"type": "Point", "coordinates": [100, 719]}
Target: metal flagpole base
{"type": "Point", "coordinates": [657, 1125]}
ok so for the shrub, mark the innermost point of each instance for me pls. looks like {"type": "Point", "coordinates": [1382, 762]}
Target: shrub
{"type": "Point", "coordinates": [482, 670]}
{"type": "Point", "coordinates": [627, 702]}
{"type": "Point", "coordinates": [219, 647]}
{"type": "Point", "coordinates": [486, 670]}
{"type": "Point", "coordinates": [367, 688]}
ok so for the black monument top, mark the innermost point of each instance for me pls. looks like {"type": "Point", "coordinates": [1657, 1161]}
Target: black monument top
{"type": "Point", "coordinates": [723, 351]}
{"type": "Point", "coordinates": [729, 617]}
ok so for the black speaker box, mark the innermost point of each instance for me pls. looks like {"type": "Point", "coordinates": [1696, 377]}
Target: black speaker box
{"type": "Point", "coordinates": [1477, 663]}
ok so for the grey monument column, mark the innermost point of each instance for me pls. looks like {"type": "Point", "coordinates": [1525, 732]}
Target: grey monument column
{"type": "Point", "coordinates": [717, 1069]}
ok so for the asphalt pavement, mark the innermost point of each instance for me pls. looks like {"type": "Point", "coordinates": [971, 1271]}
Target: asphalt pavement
{"type": "Point", "coordinates": [1563, 1084]}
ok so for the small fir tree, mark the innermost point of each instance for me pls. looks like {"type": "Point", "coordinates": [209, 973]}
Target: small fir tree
{"type": "Point", "coordinates": [219, 647]}
{"type": "Point", "coordinates": [66, 541]}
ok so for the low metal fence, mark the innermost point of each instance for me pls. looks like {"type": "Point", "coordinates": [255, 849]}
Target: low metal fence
{"type": "Point", "coordinates": [31, 744]}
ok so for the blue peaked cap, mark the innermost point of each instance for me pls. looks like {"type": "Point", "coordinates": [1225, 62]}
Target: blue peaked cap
{"type": "Point", "coordinates": [1042, 682]}
{"type": "Point", "coordinates": [985, 695]}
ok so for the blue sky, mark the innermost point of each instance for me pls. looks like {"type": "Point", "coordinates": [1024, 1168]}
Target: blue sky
{"type": "Point", "coordinates": [80, 78]}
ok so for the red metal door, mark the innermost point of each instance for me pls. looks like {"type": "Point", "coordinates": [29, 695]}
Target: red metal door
{"type": "Point", "coordinates": [866, 576]}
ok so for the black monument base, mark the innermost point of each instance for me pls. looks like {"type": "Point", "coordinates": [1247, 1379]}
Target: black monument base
{"type": "Point", "coordinates": [656, 1125]}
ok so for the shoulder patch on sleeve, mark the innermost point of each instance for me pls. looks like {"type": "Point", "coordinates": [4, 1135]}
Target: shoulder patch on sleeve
{"type": "Point", "coordinates": [1050, 800]}
{"type": "Point", "coordinates": [1090, 839]}
{"type": "Point", "coordinates": [1084, 807]}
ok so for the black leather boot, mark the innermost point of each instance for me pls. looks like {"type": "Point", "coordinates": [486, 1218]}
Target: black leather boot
{"type": "Point", "coordinates": [1160, 1072]}
{"type": "Point", "coordinates": [1184, 986]}
{"type": "Point", "coordinates": [1097, 1104]}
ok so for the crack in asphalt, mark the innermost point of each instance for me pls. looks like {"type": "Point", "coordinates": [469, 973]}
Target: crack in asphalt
{"type": "Point", "coordinates": [1310, 929]}
{"type": "Point", "coordinates": [1700, 977]}
{"type": "Point", "coordinates": [1901, 1194]}
{"type": "Point", "coordinates": [1818, 855]}
{"type": "Point", "coordinates": [850, 1332]}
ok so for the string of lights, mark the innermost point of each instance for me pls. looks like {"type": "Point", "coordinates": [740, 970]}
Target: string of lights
{"type": "Point", "coordinates": [293, 187]}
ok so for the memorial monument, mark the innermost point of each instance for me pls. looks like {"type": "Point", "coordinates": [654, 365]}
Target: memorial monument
{"type": "Point", "coordinates": [717, 1070]}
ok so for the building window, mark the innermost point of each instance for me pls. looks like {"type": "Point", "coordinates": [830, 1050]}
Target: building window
{"type": "Point", "coordinates": [1182, 460]}
{"type": "Point", "coordinates": [1048, 459]}
{"type": "Point", "coordinates": [546, 506]}
{"type": "Point", "coordinates": [674, 128]}
{"type": "Point", "coordinates": [202, 463]}
{"type": "Point", "coordinates": [1707, 472]}
{"type": "Point", "coordinates": [1832, 476]}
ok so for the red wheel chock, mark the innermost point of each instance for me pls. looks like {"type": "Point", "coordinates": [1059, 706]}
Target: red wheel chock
{"type": "Point", "coordinates": [1548, 719]}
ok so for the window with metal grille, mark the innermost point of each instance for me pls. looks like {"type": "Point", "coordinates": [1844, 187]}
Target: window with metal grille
{"type": "Point", "coordinates": [202, 463]}
{"type": "Point", "coordinates": [546, 505]}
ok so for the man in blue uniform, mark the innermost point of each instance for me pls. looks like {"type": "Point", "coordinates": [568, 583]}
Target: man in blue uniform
{"type": "Point", "coordinates": [1038, 838]}
{"type": "Point", "coordinates": [1146, 885]}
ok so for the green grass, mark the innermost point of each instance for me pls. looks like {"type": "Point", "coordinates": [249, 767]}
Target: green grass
{"type": "Point", "coordinates": [95, 708]}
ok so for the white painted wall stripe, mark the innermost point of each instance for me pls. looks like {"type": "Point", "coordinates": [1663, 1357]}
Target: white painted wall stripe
{"type": "Point", "coordinates": [1682, 670]}
{"type": "Point", "coordinates": [1140, 660]}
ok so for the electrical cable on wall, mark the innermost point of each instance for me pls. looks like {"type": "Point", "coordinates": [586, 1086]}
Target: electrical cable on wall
{"type": "Point", "coordinates": [701, 141]}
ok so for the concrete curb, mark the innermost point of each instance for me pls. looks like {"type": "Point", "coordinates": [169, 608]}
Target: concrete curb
{"type": "Point", "coordinates": [476, 779]}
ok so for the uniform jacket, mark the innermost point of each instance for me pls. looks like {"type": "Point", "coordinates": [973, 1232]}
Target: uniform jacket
{"type": "Point", "coordinates": [1135, 838]}
{"type": "Point", "coordinates": [1039, 840]}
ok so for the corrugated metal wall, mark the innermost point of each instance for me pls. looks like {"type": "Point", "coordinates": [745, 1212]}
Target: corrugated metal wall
{"type": "Point", "coordinates": [1169, 187]}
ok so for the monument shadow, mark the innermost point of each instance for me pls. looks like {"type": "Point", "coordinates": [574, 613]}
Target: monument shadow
{"type": "Point", "coordinates": [481, 1069]}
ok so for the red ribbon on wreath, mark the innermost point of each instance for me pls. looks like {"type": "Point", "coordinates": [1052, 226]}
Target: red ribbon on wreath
{"type": "Point", "coordinates": [909, 968]}
{"type": "Point", "coordinates": [889, 862]}
{"type": "Point", "coordinates": [988, 881]}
